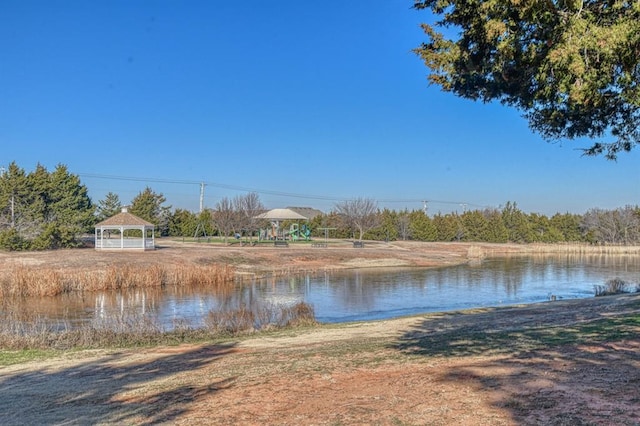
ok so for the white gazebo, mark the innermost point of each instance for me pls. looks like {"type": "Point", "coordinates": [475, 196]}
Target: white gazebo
{"type": "Point", "coordinates": [118, 224]}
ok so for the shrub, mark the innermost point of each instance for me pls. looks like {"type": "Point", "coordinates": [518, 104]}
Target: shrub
{"type": "Point", "coordinates": [11, 240]}
{"type": "Point", "coordinates": [268, 316]}
{"type": "Point", "coordinates": [613, 286]}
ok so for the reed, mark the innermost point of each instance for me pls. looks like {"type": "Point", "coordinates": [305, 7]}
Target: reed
{"type": "Point", "coordinates": [583, 249]}
{"type": "Point", "coordinates": [134, 329]}
{"type": "Point", "coordinates": [22, 281]}
{"type": "Point", "coordinates": [612, 286]}
{"type": "Point", "coordinates": [244, 319]}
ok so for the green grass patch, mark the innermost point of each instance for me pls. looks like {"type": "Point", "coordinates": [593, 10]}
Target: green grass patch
{"type": "Point", "coordinates": [461, 342]}
{"type": "Point", "coordinates": [26, 355]}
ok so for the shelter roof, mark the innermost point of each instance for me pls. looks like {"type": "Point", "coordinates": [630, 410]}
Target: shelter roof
{"type": "Point", "coordinates": [281, 214]}
{"type": "Point", "coordinates": [124, 218]}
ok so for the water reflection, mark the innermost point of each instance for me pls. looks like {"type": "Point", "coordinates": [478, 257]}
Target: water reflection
{"type": "Point", "coordinates": [353, 295]}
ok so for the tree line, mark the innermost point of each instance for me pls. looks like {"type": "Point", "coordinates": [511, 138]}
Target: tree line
{"type": "Point", "coordinates": [48, 210]}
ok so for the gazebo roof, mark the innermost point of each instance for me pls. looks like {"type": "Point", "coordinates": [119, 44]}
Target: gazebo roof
{"type": "Point", "coordinates": [124, 218]}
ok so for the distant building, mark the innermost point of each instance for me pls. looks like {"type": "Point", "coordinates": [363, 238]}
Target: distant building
{"type": "Point", "coordinates": [307, 212]}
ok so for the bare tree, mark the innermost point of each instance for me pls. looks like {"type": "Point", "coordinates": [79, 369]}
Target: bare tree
{"type": "Point", "coordinates": [225, 217]}
{"type": "Point", "coordinates": [248, 207]}
{"type": "Point", "coordinates": [360, 214]}
{"type": "Point", "coordinates": [620, 226]}
{"type": "Point", "coordinates": [629, 224]}
{"type": "Point", "coordinates": [404, 222]}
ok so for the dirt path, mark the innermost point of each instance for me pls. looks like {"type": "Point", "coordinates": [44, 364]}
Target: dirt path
{"type": "Point", "coordinates": [550, 363]}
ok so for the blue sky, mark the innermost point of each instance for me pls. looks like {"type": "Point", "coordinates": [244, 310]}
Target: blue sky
{"type": "Point", "coordinates": [305, 103]}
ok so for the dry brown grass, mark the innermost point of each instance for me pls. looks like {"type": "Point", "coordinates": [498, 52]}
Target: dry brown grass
{"type": "Point", "coordinates": [19, 280]}
{"type": "Point", "coordinates": [581, 249]}
{"type": "Point", "coordinates": [245, 319]}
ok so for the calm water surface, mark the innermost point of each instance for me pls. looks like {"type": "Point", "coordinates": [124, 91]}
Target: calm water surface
{"type": "Point", "coordinates": [360, 295]}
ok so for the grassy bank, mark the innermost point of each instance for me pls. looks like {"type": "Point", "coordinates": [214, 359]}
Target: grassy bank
{"type": "Point", "coordinates": [487, 331]}
{"type": "Point", "coordinates": [130, 330]}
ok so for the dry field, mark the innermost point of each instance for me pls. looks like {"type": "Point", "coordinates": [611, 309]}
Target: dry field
{"type": "Point", "coordinates": [559, 363]}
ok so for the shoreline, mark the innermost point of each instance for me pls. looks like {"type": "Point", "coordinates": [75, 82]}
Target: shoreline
{"type": "Point", "coordinates": [573, 361]}
{"type": "Point", "coordinates": [339, 254]}
{"type": "Point", "coordinates": [49, 273]}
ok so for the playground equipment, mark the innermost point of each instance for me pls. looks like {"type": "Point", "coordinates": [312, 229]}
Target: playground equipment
{"type": "Point", "coordinates": [275, 216]}
{"type": "Point", "coordinates": [299, 232]}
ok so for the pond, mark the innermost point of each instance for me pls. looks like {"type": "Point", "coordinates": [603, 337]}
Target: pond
{"type": "Point", "coordinates": [356, 295]}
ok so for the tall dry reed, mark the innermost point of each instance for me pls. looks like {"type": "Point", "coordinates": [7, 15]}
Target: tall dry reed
{"type": "Point", "coordinates": [245, 319]}
{"type": "Point", "coordinates": [583, 249]}
{"type": "Point", "coordinates": [23, 281]}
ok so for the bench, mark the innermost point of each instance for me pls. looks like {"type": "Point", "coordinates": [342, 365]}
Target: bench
{"type": "Point", "coordinates": [279, 243]}
{"type": "Point", "coordinates": [318, 244]}
{"type": "Point", "coordinates": [358, 244]}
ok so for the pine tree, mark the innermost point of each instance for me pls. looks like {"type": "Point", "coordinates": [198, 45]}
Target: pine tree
{"type": "Point", "coordinates": [421, 227]}
{"type": "Point", "coordinates": [108, 207]}
{"type": "Point", "coordinates": [68, 210]}
{"type": "Point", "coordinates": [15, 219]}
{"type": "Point", "coordinates": [148, 205]}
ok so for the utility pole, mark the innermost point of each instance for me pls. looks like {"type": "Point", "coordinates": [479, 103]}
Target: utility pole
{"type": "Point", "coordinates": [424, 206]}
{"type": "Point", "coordinates": [201, 225]}
{"type": "Point", "coordinates": [201, 197]}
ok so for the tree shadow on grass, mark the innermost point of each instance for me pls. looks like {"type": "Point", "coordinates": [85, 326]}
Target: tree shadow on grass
{"type": "Point", "coordinates": [514, 329]}
{"type": "Point", "coordinates": [569, 362]}
{"type": "Point", "coordinates": [109, 389]}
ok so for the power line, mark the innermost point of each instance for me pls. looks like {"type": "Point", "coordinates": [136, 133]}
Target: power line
{"type": "Point", "coordinates": [213, 184]}
{"type": "Point", "coordinates": [202, 184]}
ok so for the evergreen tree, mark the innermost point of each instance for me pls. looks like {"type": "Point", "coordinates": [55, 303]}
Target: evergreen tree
{"type": "Point", "coordinates": [496, 231]}
{"type": "Point", "coordinates": [421, 227]}
{"type": "Point", "coordinates": [15, 199]}
{"type": "Point", "coordinates": [108, 207]}
{"type": "Point", "coordinates": [16, 222]}
{"type": "Point", "coordinates": [68, 210]}
{"type": "Point", "coordinates": [569, 226]}
{"type": "Point", "coordinates": [516, 223]}
{"type": "Point", "coordinates": [69, 202]}
{"type": "Point", "coordinates": [183, 223]}
{"type": "Point", "coordinates": [387, 230]}
{"type": "Point", "coordinates": [572, 67]}
{"type": "Point", "coordinates": [543, 229]}
{"type": "Point", "coordinates": [448, 227]}
{"type": "Point", "coordinates": [39, 181]}
{"type": "Point", "coordinates": [476, 226]}
{"type": "Point", "coordinates": [148, 205]}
